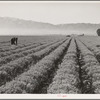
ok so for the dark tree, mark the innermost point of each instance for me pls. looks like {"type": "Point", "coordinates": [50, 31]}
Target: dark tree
{"type": "Point", "coordinates": [98, 32]}
{"type": "Point", "coordinates": [68, 36]}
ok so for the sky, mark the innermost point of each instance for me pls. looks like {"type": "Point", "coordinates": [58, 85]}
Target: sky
{"type": "Point", "coordinates": [52, 12]}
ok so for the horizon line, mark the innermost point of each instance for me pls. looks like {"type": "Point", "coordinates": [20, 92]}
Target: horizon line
{"type": "Point", "coordinates": [47, 22]}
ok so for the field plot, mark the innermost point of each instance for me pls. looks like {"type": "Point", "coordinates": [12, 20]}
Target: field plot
{"type": "Point", "coordinates": [50, 65]}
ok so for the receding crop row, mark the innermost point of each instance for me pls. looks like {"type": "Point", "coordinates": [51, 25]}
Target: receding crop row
{"type": "Point", "coordinates": [90, 70]}
{"type": "Point", "coordinates": [66, 79]}
{"type": "Point", "coordinates": [4, 45]}
{"type": "Point", "coordinates": [3, 54]}
{"type": "Point", "coordinates": [6, 48]}
{"type": "Point", "coordinates": [4, 42]}
{"type": "Point", "coordinates": [93, 48]}
{"type": "Point", "coordinates": [7, 59]}
{"type": "Point", "coordinates": [21, 45]}
{"type": "Point", "coordinates": [32, 46]}
{"type": "Point", "coordinates": [30, 81]}
{"type": "Point", "coordinates": [11, 70]}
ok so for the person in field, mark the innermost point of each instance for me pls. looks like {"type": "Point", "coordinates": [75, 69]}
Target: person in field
{"type": "Point", "coordinates": [14, 41]}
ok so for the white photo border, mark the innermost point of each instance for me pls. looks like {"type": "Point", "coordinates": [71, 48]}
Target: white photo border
{"type": "Point", "coordinates": [49, 96]}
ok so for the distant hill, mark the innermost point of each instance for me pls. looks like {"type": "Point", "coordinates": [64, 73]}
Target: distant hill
{"type": "Point", "coordinates": [20, 23]}
{"type": "Point", "coordinates": [14, 25]}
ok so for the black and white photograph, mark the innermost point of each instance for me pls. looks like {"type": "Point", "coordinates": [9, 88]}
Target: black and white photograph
{"type": "Point", "coordinates": [50, 47]}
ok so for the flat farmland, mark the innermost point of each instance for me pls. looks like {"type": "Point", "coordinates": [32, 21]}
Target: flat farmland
{"type": "Point", "coordinates": [50, 65]}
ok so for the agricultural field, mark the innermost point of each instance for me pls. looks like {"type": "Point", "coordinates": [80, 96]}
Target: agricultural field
{"type": "Point", "coordinates": [50, 65]}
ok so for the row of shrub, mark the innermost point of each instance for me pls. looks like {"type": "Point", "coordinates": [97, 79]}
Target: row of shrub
{"type": "Point", "coordinates": [25, 47]}
{"type": "Point", "coordinates": [66, 80]}
{"type": "Point", "coordinates": [90, 70]}
{"type": "Point", "coordinates": [9, 58]}
{"type": "Point", "coordinates": [7, 48]}
{"type": "Point", "coordinates": [92, 47]}
{"type": "Point", "coordinates": [31, 80]}
{"type": "Point", "coordinates": [3, 54]}
{"type": "Point", "coordinates": [22, 44]}
{"type": "Point", "coordinates": [14, 68]}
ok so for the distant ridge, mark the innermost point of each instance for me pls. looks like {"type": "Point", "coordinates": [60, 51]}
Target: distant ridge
{"type": "Point", "coordinates": [20, 23]}
{"type": "Point", "coordinates": [15, 23]}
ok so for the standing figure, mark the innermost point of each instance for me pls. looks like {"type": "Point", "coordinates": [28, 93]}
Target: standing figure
{"type": "Point", "coordinates": [16, 40]}
{"type": "Point", "coordinates": [12, 41]}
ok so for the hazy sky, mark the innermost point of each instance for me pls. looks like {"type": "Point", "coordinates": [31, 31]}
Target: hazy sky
{"type": "Point", "coordinates": [53, 12]}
